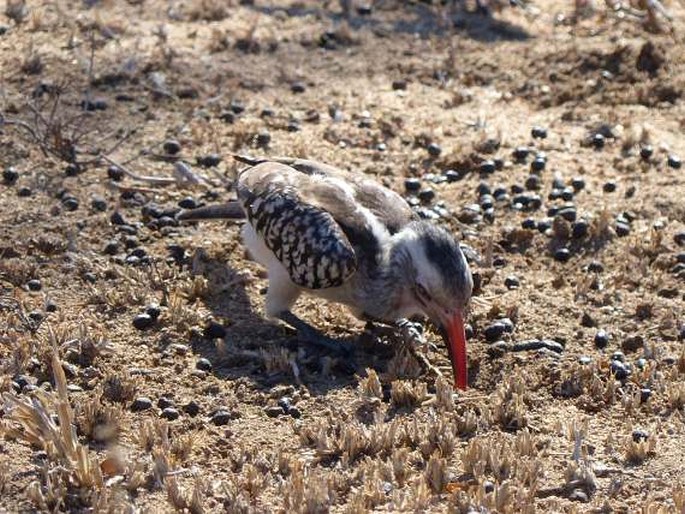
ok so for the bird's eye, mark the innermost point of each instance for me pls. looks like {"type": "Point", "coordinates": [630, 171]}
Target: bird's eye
{"type": "Point", "coordinates": [422, 292]}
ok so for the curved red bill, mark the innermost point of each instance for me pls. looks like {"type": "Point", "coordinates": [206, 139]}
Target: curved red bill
{"type": "Point", "coordinates": [456, 345]}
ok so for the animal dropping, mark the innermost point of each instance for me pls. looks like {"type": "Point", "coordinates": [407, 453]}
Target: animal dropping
{"type": "Point", "coordinates": [345, 238]}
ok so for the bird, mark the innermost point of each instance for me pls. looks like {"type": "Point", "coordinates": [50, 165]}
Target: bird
{"type": "Point", "coordinates": [341, 236]}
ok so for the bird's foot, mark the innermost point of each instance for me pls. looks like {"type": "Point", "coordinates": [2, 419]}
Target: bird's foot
{"type": "Point", "coordinates": [412, 338]}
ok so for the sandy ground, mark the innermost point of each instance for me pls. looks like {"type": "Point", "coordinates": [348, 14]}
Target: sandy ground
{"type": "Point", "coordinates": [100, 415]}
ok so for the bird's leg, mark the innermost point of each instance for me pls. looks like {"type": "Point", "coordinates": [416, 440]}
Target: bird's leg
{"type": "Point", "coordinates": [313, 336]}
{"type": "Point", "coordinates": [412, 338]}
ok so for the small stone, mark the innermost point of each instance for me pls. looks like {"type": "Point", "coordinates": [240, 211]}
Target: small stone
{"type": "Point", "coordinates": [674, 162]}
{"type": "Point", "coordinates": [153, 311]}
{"type": "Point", "coordinates": [285, 403]}
{"type": "Point", "coordinates": [34, 285]}
{"type": "Point", "coordinates": [609, 187]}
{"type": "Point", "coordinates": [426, 195]}
{"type": "Point", "coordinates": [36, 316]}
{"type": "Point", "coordinates": [488, 486]}
{"type": "Point", "coordinates": [165, 402]}
{"type": "Point", "coordinates": [188, 203]}
{"type": "Point", "coordinates": [622, 229]}
{"type": "Point", "coordinates": [295, 412]}
{"type": "Point", "coordinates": [24, 192]}
{"type": "Point", "coordinates": [98, 203]}
{"type": "Point", "coordinates": [204, 364]}
{"type": "Point", "coordinates": [646, 152]}
{"type": "Point", "coordinates": [578, 184]}
{"type": "Point", "coordinates": [117, 219]}
{"type": "Point", "coordinates": [587, 321]}
{"type": "Point", "coordinates": [434, 150]}
{"type": "Point", "coordinates": [142, 321]}
{"type": "Point", "coordinates": [632, 343]}
{"type": "Point", "coordinates": [111, 248]}
{"type": "Point", "coordinates": [539, 133]}
{"type": "Point", "coordinates": [298, 87]}
{"type": "Point", "coordinates": [452, 175]}
{"type": "Point", "coordinates": [263, 138]}
{"type": "Point", "coordinates": [533, 183]}
{"type": "Point", "coordinates": [618, 356]}
{"type": "Point", "coordinates": [171, 147]}
{"type": "Point", "coordinates": [273, 411]}
{"type": "Point", "coordinates": [521, 153]}
{"type": "Point", "coordinates": [70, 203]}
{"type": "Point", "coordinates": [170, 413]}
{"type": "Point", "coordinates": [598, 141]}
{"type": "Point", "coordinates": [140, 404]}
{"type": "Point", "coordinates": [645, 394]}
{"type": "Point", "coordinates": [512, 282]}
{"type": "Point", "coordinates": [538, 164]}
{"type": "Point", "coordinates": [487, 167]}
{"type": "Point", "coordinates": [529, 224]}
{"type": "Point", "coordinates": [214, 330]}
{"type": "Point", "coordinates": [115, 173]}
{"type": "Point", "coordinates": [562, 255]}
{"type": "Point", "coordinates": [412, 185]}
{"type": "Point", "coordinates": [595, 267]}
{"type": "Point", "coordinates": [209, 160]}
{"type": "Point", "coordinates": [619, 370]}
{"type": "Point", "coordinates": [192, 408]}
{"type": "Point", "coordinates": [580, 229]}
{"type": "Point", "coordinates": [399, 85]}
{"type": "Point", "coordinates": [71, 170]}
{"type": "Point", "coordinates": [222, 417]}
{"type": "Point", "coordinates": [494, 331]}
{"type": "Point", "coordinates": [10, 175]}
{"type": "Point", "coordinates": [639, 435]}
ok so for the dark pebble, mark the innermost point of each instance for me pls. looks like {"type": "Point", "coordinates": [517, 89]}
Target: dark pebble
{"type": "Point", "coordinates": [538, 164]}
{"type": "Point", "coordinates": [539, 133]}
{"type": "Point", "coordinates": [646, 152]}
{"type": "Point", "coordinates": [562, 255]}
{"type": "Point", "coordinates": [434, 150]}
{"type": "Point", "coordinates": [512, 282]}
{"type": "Point", "coordinates": [50, 306]}
{"type": "Point", "coordinates": [619, 370]}
{"type": "Point", "coordinates": [452, 175]}
{"type": "Point", "coordinates": [24, 192]}
{"type": "Point", "coordinates": [622, 229]}
{"type": "Point", "coordinates": [165, 402]}
{"type": "Point", "coordinates": [641, 363]}
{"type": "Point", "coordinates": [191, 408]}
{"type": "Point", "coordinates": [227, 116]}
{"type": "Point", "coordinates": [529, 224]}
{"type": "Point", "coordinates": [499, 261]}
{"type": "Point", "coordinates": [412, 185]}
{"type": "Point", "coordinates": [70, 203]}
{"type": "Point", "coordinates": [488, 486]}
{"type": "Point", "coordinates": [188, 203]}
{"type": "Point", "coordinates": [578, 184]}
{"type": "Point", "coordinates": [533, 183]}
{"type": "Point", "coordinates": [131, 242]}
{"type": "Point", "coordinates": [426, 195]}
{"type": "Point", "coordinates": [209, 160]}
{"type": "Point", "coordinates": [142, 321]}
{"type": "Point", "coordinates": [214, 330]}
{"type": "Point", "coordinates": [170, 413]}
{"type": "Point", "coordinates": [486, 202]}
{"type": "Point", "coordinates": [521, 153]}
{"type": "Point", "coordinates": [598, 141]}
{"type": "Point", "coordinates": [399, 85]}
{"type": "Point", "coordinates": [222, 417]}
{"type": "Point", "coordinates": [71, 170]}
{"type": "Point", "coordinates": [98, 203]}
{"type": "Point", "coordinates": [115, 173]}
{"type": "Point", "coordinates": [568, 213]}
{"type": "Point", "coordinates": [237, 106]}
{"type": "Point", "coordinates": [36, 316]}
{"type": "Point", "coordinates": [609, 187]}
{"type": "Point", "coordinates": [140, 404]}
{"type": "Point", "coordinates": [494, 331]}
{"type": "Point", "coordinates": [295, 412]}
{"type": "Point", "coordinates": [645, 394]}
{"type": "Point", "coordinates": [111, 248]}
{"type": "Point", "coordinates": [292, 126]}
{"type": "Point", "coordinates": [204, 364]}
{"type": "Point", "coordinates": [601, 339]}
{"type": "Point", "coordinates": [618, 356]}
{"type": "Point", "coordinates": [171, 147]}
{"type": "Point", "coordinates": [10, 175]}
{"type": "Point", "coordinates": [153, 311]}
{"type": "Point", "coordinates": [298, 87]}
{"type": "Point", "coordinates": [263, 138]}
{"type": "Point", "coordinates": [34, 285]}
{"type": "Point", "coordinates": [595, 267]}
{"type": "Point", "coordinates": [488, 167]}
{"type": "Point", "coordinates": [117, 219]}
{"type": "Point", "coordinates": [674, 162]}
{"type": "Point", "coordinates": [567, 194]}
{"type": "Point", "coordinates": [580, 229]}
{"type": "Point", "coordinates": [639, 435]}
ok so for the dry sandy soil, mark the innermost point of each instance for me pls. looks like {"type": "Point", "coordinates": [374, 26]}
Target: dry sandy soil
{"type": "Point", "coordinates": [99, 415]}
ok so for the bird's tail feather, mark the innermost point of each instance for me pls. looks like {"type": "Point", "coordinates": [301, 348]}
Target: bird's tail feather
{"type": "Point", "coordinates": [231, 210]}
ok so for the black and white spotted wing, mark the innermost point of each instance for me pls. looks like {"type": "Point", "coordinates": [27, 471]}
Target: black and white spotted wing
{"type": "Point", "coordinates": [305, 239]}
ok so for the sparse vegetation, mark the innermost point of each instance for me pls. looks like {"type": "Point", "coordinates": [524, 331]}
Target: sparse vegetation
{"type": "Point", "coordinates": [137, 371]}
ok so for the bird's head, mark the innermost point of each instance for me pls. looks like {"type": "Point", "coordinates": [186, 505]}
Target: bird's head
{"type": "Point", "coordinates": [439, 282]}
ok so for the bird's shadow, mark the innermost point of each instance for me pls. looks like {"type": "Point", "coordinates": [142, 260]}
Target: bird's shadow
{"type": "Point", "coordinates": [268, 353]}
{"type": "Point", "coordinates": [415, 19]}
